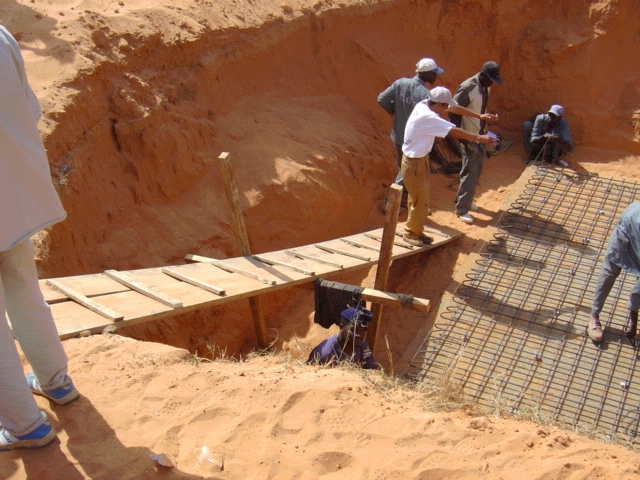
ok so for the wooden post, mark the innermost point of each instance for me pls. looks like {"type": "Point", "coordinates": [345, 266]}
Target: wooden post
{"type": "Point", "coordinates": [384, 261]}
{"type": "Point", "coordinates": [240, 232]}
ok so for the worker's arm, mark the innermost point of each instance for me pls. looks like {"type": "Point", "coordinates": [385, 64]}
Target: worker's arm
{"type": "Point", "coordinates": [538, 131]}
{"type": "Point", "coordinates": [465, 112]}
{"type": "Point", "coordinates": [463, 100]}
{"type": "Point", "coordinates": [387, 99]}
{"type": "Point", "coordinates": [464, 135]}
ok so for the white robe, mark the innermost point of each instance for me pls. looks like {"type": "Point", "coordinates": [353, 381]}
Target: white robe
{"type": "Point", "coordinates": [28, 200]}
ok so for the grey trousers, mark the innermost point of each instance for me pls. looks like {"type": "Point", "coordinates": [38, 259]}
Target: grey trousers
{"type": "Point", "coordinates": [472, 162]}
{"type": "Point", "coordinates": [35, 330]}
{"type": "Point", "coordinates": [608, 274]}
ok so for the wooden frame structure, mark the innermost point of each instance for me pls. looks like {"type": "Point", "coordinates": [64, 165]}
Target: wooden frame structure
{"type": "Point", "coordinates": [93, 302]}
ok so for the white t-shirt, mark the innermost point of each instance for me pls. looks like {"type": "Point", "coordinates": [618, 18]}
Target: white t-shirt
{"type": "Point", "coordinates": [423, 126]}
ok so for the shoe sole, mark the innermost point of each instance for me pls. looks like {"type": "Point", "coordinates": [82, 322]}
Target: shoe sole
{"type": "Point", "coordinates": [31, 442]}
{"type": "Point", "coordinates": [413, 243]}
{"type": "Point", "coordinates": [68, 398]}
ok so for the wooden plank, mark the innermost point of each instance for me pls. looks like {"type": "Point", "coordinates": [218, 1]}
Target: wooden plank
{"type": "Point", "coordinates": [273, 272]}
{"type": "Point", "coordinates": [86, 302]}
{"type": "Point", "coordinates": [432, 231]}
{"type": "Point", "coordinates": [143, 289]}
{"type": "Point", "coordinates": [359, 244]}
{"type": "Point", "coordinates": [72, 318]}
{"type": "Point", "coordinates": [342, 252]}
{"type": "Point", "coordinates": [269, 261]}
{"type": "Point", "coordinates": [233, 284]}
{"type": "Point", "coordinates": [386, 298]}
{"type": "Point", "coordinates": [229, 268]}
{"type": "Point", "coordinates": [137, 308]}
{"type": "Point", "coordinates": [88, 285]}
{"type": "Point", "coordinates": [196, 283]}
{"type": "Point", "coordinates": [293, 253]}
{"type": "Point", "coordinates": [379, 239]}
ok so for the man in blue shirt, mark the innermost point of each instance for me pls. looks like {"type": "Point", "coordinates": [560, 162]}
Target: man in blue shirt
{"type": "Point", "coordinates": [349, 344]}
{"type": "Point", "coordinates": [399, 99]}
{"type": "Point", "coordinates": [623, 252]}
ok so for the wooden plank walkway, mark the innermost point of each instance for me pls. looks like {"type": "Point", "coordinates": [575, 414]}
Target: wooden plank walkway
{"type": "Point", "coordinates": [155, 293]}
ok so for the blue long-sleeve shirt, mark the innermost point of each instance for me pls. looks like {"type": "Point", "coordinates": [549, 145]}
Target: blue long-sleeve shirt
{"type": "Point", "coordinates": [541, 126]}
{"type": "Point", "coordinates": [624, 243]}
{"type": "Point", "coordinates": [330, 351]}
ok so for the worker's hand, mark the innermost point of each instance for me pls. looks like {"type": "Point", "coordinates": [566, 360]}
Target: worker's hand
{"type": "Point", "coordinates": [489, 117]}
{"type": "Point", "coordinates": [487, 140]}
{"type": "Point", "coordinates": [550, 136]}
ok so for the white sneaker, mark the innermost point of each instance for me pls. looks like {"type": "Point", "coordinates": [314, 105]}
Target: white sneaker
{"type": "Point", "coordinates": [563, 163]}
{"type": "Point", "coordinates": [474, 207]}
{"type": "Point", "coordinates": [466, 218]}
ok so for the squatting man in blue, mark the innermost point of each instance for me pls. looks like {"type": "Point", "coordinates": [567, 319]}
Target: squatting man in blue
{"type": "Point", "coordinates": [349, 344]}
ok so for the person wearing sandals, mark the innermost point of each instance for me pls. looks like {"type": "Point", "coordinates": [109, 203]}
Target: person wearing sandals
{"type": "Point", "coordinates": [623, 253]}
{"type": "Point", "coordinates": [425, 124]}
{"type": "Point", "coordinates": [29, 204]}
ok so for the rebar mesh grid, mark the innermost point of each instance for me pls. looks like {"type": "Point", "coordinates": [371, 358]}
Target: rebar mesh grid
{"type": "Point", "coordinates": [515, 335]}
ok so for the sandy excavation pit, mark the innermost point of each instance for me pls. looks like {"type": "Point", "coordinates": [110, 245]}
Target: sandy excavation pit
{"type": "Point", "coordinates": [141, 96]}
{"type": "Point", "coordinates": [139, 102]}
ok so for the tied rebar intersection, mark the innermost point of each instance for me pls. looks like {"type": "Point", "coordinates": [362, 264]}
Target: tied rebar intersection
{"type": "Point", "coordinates": [514, 338]}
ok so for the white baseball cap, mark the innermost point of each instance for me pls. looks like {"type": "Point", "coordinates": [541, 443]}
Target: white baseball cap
{"type": "Point", "coordinates": [428, 65]}
{"type": "Point", "coordinates": [557, 110]}
{"type": "Point", "coordinates": [442, 95]}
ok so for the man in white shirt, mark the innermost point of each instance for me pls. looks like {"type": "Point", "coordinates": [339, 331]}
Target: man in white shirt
{"type": "Point", "coordinates": [424, 125]}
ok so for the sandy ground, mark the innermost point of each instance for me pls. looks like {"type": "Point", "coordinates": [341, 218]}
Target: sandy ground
{"type": "Point", "coordinates": [108, 71]}
{"type": "Point", "coordinates": [272, 417]}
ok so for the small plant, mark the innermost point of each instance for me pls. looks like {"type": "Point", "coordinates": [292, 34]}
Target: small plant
{"type": "Point", "coordinates": [197, 359]}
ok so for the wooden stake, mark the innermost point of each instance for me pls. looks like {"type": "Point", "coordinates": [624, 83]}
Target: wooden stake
{"type": "Point", "coordinates": [240, 232]}
{"type": "Point", "coordinates": [384, 261]}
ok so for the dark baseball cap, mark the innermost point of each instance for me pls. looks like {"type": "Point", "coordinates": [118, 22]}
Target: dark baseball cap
{"type": "Point", "coordinates": [492, 70]}
{"type": "Point", "coordinates": [358, 315]}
